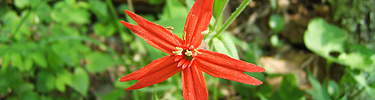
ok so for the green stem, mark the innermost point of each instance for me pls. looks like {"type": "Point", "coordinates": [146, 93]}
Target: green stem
{"type": "Point", "coordinates": [214, 95]}
{"type": "Point", "coordinates": [232, 17]}
{"type": "Point", "coordinates": [130, 3]}
{"type": "Point", "coordinates": [220, 15]}
{"type": "Point", "coordinates": [114, 14]}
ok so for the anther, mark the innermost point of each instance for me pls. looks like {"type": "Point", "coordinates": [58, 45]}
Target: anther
{"type": "Point", "coordinates": [178, 52]}
{"type": "Point", "coordinates": [170, 28]}
{"type": "Point", "coordinates": [188, 53]}
{"type": "Point", "coordinates": [205, 32]}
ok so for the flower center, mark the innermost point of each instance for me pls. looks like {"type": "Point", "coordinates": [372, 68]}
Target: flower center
{"type": "Point", "coordinates": [185, 56]}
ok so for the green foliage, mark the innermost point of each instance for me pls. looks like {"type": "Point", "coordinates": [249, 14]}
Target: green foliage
{"type": "Point", "coordinates": [77, 49]}
{"type": "Point", "coordinates": [276, 22]}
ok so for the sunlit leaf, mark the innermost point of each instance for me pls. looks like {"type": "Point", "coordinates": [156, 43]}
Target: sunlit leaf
{"type": "Point", "coordinates": [98, 62]}
{"type": "Point", "coordinates": [80, 81]}
{"type": "Point", "coordinates": [324, 38]}
{"type": "Point", "coordinates": [229, 45]}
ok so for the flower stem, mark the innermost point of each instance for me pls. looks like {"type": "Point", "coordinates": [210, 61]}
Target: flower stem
{"type": "Point", "coordinates": [232, 17]}
{"type": "Point", "coordinates": [220, 15]}
{"type": "Point", "coordinates": [215, 90]}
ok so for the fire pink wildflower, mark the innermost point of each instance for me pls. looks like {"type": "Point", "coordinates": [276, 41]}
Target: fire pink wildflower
{"type": "Point", "coordinates": [185, 56]}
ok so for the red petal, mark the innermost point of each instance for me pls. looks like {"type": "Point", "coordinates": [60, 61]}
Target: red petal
{"type": "Point", "coordinates": [193, 84]}
{"type": "Point", "coordinates": [155, 72]}
{"type": "Point", "coordinates": [197, 21]}
{"type": "Point", "coordinates": [155, 35]}
{"type": "Point", "coordinates": [226, 61]}
{"type": "Point", "coordinates": [222, 66]}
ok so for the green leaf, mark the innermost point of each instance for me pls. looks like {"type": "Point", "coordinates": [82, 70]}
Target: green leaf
{"type": "Point", "coordinates": [173, 9]}
{"type": "Point", "coordinates": [45, 81]}
{"type": "Point", "coordinates": [65, 13]}
{"type": "Point", "coordinates": [80, 81]}
{"type": "Point", "coordinates": [156, 2]}
{"type": "Point", "coordinates": [276, 22]}
{"type": "Point", "coordinates": [323, 38]}
{"type": "Point", "coordinates": [103, 29]}
{"type": "Point", "coordinates": [220, 47]}
{"type": "Point", "coordinates": [63, 78]}
{"type": "Point", "coordinates": [24, 88]}
{"type": "Point", "coordinates": [288, 89]}
{"type": "Point", "coordinates": [229, 45]}
{"type": "Point", "coordinates": [114, 95]}
{"type": "Point", "coordinates": [100, 9]}
{"type": "Point", "coordinates": [30, 96]}
{"type": "Point", "coordinates": [40, 59]}
{"type": "Point", "coordinates": [319, 92]}
{"type": "Point", "coordinates": [275, 41]}
{"type": "Point", "coordinates": [21, 3]}
{"type": "Point", "coordinates": [178, 24]}
{"type": "Point", "coordinates": [98, 62]}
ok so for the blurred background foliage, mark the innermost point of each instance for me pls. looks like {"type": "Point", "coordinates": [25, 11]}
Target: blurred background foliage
{"type": "Point", "coordinates": [77, 49]}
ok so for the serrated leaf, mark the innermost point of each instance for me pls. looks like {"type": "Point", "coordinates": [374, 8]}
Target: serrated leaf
{"type": "Point", "coordinates": [98, 62]}
{"type": "Point", "coordinates": [45, 81]}
{"type": "Point", "coordinates": [80, 81]}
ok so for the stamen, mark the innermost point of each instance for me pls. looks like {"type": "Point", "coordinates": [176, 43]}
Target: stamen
{"type": "Point", "coordinates": [197, 51]}
{"type": "Point", "coordinates": [170, 28]}
{"type": "Point", "coordinates": [205, 32]}
{"type": "Point", "coordinates": [178, 52]}
{"type": "Point", "coordinates": [188, 53]}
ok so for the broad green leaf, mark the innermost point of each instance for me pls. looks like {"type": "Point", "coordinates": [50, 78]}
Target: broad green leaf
{"type": "Point", "coordinates": [43, 11]}
{"type": "Point", "coordinates": [359, 57]}
{"type": "Point", "coordinates": [100, 9]}
{"type": "Point", "coordinates": [63, 78]}
{"type": "Point", "coordinates": [178, 24]}
{"type": "Point", "coordinates": [220, 47]}
{"type": "Point", "coordinates": [173, 9]}
{"type": "Point", "coordinates": [276, 23]}
{"type": "Point", "coordinates": [21, 3]}
{"type": "Point", "coordinates": [104, 29]}
{"type": "Point", "coordinates": [45, 81]}
{"type": "Point", "coordinates": [229, 45]}
{"type": "Point", "coordinates": [81, 81]}
{"type": "Point", "coordinates": [65, 13]}
{"type": "Point", "coordinates": [24, 88]}
{"type": "Point", "coordinates": [324, 38]}
{"type": "Point", "coordinates": [288, 89]}
{"type": "Point", "coordinates": [30, 96]}
{"type": "Point", "coordinates": [98, 62]}
{"type": "Point", "coordinates": [40, 59]}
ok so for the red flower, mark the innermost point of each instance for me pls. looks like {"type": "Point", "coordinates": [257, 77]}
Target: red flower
{"type": "Point", "coordinates": [184, 55]}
